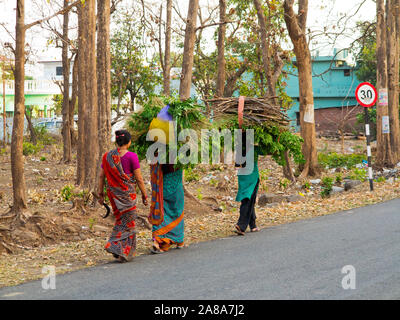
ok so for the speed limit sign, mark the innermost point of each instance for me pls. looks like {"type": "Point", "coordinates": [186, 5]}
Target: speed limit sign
{"type": "Point", "coordinates": [366, 95]}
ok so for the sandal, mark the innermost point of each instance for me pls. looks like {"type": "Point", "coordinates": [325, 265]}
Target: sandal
{"type": "Point", "coordinates": [156, 251]}
{"type": "Point", "coordinates": [239, 231]}
{"type": "Point", "coordinates": [256, 229]}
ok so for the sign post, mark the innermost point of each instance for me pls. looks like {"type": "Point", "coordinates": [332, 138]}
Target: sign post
{"type": "Point", "coordinates": [367, 95]}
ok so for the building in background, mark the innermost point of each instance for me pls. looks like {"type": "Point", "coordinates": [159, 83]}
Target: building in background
{"type": "Point", "coordinates": [334, 86]}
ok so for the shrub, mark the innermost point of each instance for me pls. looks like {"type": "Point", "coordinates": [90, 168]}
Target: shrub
{"type": "Point", "coordinates": [199, 194]}
{"type": "Point", "coordinates": [335, 160]}
{"type": "Point", "coordinates": [191, 175]}
{"type": "Point", "coordinates": [339, 178]}
{"type": "Point", "coordinates": [307, 185]}
{"type": "Point", "coordinates": [358, 174]}
{"type": "Point", "coordinates": [43, 136]}
{"type": "Point", "coordinates": [284, 183]}
{"type": "Point", "coordinates": [327, 183]}
{"type": "Point", "coordinates": [66, 193]}
{"type": "Point", "coordinates": [380, 179]}
{"type": "Point", "coordinates": [29, 148]}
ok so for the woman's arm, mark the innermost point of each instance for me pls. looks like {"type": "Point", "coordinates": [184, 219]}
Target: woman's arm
{"type": "Point", "coordinates": [140, 182]}
{"type": "Point", "coordinates": [101, 186]}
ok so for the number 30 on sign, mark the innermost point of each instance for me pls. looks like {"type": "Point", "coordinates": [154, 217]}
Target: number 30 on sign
{"type": "Point", "coordinates": [366, 95]}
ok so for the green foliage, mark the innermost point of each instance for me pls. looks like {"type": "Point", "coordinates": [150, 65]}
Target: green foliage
{"type": "Point", "coordinates": [187, 115]}
{"type": "Point", "coordinates": [66, 193]}
{"type": "Point", "coordinates": [264, 174]}
{"type": "Point", "coordinates": [335, 160]}
{"type": "Point", "coordinates": [57, 103]}
{"type": "Point", "coordinates": [92, 222]}
{"type": "Point", "coordinates": [307, 185]}
{"type": "Point", "coordinates": [139, 125]}
{"type": "Point", "coordinates": [284, 183]}
{"type": "Point", "coordinates": [327, 184]}
{"type": "Point", "coordinates": [270, 139]}
{"type": "Point", "coordinates": [380, 179]}
{"type": "Point", "coordinates": [29, 148]}
{"type": "Point", "coordinates": [191, 175]}
{"type": "Point", "coordinates": [339, 178]}
{"type": "Point", "coordinates": [199, 194]}
{"type": "Point", "coordinates": [43, 136]}
{"type": "Point", "coordinates": [3, 151]}
{"type": "Point", "coordinates": [131, 71]}
{"type": "Point", "coordinates": [42, 158]}
{"type": "Point", "coordinates": [358, 174]}
{"type": "Point", "coordinates": [213, 182]}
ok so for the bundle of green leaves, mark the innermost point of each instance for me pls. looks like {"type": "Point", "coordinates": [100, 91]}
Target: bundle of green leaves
{"type": "Point", "coordinates": [186, 115]}
{"type": "Point", "coordinates": [273, 140]}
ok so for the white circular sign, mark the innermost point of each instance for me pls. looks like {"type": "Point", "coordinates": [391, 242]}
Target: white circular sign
{"type": "Point", "coordinates": [366, 94]}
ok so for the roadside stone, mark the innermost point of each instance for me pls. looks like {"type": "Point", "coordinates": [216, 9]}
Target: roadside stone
{"type": "Point", "coordinates": [316, 181]}
{"type": "Point", "coordinates": [294, 198]}
{"type": "Point", "coordinates": [351, 184]}
{"type": "Point", "coordinates": [337, 190]}
{"type": "Point", "coordinates": [268, 198]}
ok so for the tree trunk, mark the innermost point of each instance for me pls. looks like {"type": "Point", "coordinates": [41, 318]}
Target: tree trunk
{"type": "Point", "coordinates": [221, 62]}
{"type": "Point", "coordinates": [167, 54]}
{"type": "Point", "coordinates": [393, 79]}
{"type": "Point", "coordinates": [188, 51]}
{"type": "Point", "coordinates": [265, 47]}
{"type": "Point", "coordinates": [66, 131]}
{"type": "Point", "coordinates": [104, 76]}
{"type": "Point", "coordinates": [383, 153]}
{"type": "Point", "coordinates": [230, 86]}
{"type": "Point", "coordinates": [82, 93]}
{"type": "Point", "coordinates": [91, 150]}
{"type": "Point", "coordinates": [74, 96]}
{"type": "Point", "coordinates": [28, 116]}
{"type": "Point", "coordinates": [271, 77]}
{"type": "Point", "coordinates": [17, 159]}
{"type": "Point", "coordinates": [296, 25]}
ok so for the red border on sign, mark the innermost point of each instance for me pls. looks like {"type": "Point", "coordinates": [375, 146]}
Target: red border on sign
{"type": "Point", "coordinates": [376, 95]}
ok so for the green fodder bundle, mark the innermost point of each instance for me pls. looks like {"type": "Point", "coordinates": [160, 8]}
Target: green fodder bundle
{"type": "Point", "coordinates": [186, 115]}
{"type": "Point", "coordinates": [269, 122]}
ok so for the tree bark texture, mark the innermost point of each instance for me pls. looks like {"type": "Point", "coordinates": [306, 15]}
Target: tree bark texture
{"type": "Point", "coordinates": [104, 75]}
{"type": "Point", "coordinates": [221, 62]}
{"type": "Point", "coordinates": [17, 158]}
{"type": "Point", "coordinates": [66, 131]}
{"type": "Point", "coordinates": [91, 144]}
{"type": "Point", "coordinates": [167, 54]}
{"type": "Point", "coordinates": [384, 154]}
{"type": "Point", "coordinates": [296, 25]}
{"type": "Point", "coordinates": [393, 79]}
{"type": "Point", "coordinates": [188, 51]}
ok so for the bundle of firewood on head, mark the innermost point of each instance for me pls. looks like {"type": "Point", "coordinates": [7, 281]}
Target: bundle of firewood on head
{"type": "Point", "coordinates": [269, 122]}
{"type": "Point", "coordinates": [257, 111]}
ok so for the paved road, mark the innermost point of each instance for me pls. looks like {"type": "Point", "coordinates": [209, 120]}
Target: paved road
{"type": "Point", "coordinates": [302, 260]}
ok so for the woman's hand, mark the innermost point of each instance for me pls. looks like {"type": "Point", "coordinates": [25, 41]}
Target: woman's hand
{"type": "Point", "coordinates": [144, 200]}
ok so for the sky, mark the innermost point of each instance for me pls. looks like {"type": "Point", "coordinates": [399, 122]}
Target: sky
{"type": "Point", "coordinates": [322, 13]}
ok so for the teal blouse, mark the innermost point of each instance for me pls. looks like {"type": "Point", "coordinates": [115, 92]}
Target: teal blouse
{"type": "Point", "coordinates": [247, 183]}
